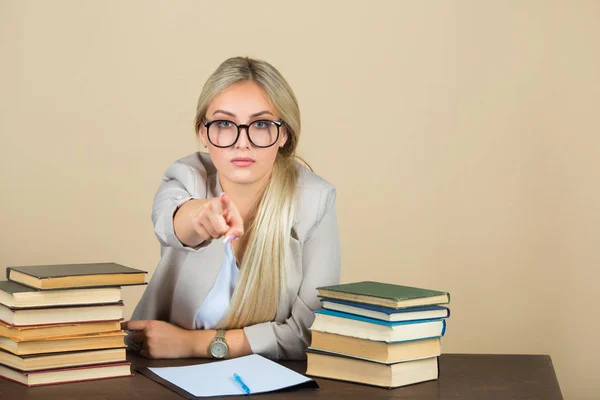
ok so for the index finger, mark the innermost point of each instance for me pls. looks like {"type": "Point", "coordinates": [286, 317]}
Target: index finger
{"type": "Point", "coordinates": [235, 221]}
{"type": "Point", "coordinates": [135, 325]}
{"type": "Point", "coordinates": [225, 201]}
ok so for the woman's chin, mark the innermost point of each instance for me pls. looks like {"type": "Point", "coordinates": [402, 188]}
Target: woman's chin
{"type": "Point", "coordinates": [243, 177]}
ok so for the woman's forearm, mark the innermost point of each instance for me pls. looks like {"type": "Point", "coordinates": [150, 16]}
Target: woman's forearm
{"type": "Point", "coordinates": [182, 223]}
{"type": "Point", "coordinates": [236, 342]}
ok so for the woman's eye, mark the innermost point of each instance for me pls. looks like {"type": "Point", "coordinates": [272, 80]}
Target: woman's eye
{"type": "Point", "coordinates": [224, 124]}
{"type": "Point", "coordinates": [261, 124]}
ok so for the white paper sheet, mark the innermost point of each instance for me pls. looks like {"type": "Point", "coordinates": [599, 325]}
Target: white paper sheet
{"type": "Point", "coordinates": [216, 378]}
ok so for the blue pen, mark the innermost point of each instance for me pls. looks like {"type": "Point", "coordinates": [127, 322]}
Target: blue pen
{"type": "Point", "coordinates": [238, 379]}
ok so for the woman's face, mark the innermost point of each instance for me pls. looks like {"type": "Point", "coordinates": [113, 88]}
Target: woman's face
{"type": "Point", "coordinates": [243, 103]}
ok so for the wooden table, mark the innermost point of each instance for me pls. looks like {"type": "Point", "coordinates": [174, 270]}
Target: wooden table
{"type": "Point", "coordinates": [462, 376]}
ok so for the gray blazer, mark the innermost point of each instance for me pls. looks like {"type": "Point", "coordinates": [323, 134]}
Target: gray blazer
{"type": "Point", "coordinates": [185, 275]}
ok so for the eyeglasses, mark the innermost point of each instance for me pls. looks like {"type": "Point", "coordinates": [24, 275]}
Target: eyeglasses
{"type": "Point", "coordinates": [222, 133]}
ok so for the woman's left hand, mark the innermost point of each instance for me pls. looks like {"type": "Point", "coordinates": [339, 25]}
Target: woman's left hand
{"type": "Point", "coordinates": [161, 339]}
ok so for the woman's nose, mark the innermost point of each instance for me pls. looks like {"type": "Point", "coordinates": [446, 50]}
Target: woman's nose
{"type": "Point", "coordinates": [243, 140]}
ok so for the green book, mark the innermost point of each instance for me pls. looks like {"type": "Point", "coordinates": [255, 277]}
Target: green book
{"type": "Point", "coordinates": [384, 294]}
{"type": "Point", "coordinates": [68, 276]}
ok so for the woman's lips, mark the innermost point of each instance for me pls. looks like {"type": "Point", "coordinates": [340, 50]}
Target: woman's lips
{"type": "Point", "coordinates": [242, 161]}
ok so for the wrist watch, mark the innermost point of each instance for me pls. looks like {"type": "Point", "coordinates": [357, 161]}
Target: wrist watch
{"type": "Point", "coordinates": [218, 347]}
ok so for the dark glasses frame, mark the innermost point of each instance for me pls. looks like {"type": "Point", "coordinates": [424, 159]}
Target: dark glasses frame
{"type": "Point", "coordinates": [207, 125]}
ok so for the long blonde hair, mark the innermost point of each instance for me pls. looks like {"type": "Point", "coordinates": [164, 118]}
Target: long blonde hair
{"type": "Point", "coordinates": [262, 272]}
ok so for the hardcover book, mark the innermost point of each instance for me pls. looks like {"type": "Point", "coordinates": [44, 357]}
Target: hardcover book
{"type": "Point", "coordinates": [15, 295]}
{"type": "Point", "coordinates": [75, 275]}
{"type": "Point", "coordinates": [67, 375]}
{"type": "Point", "coordinates": [60, 314]}
{"type": "Point", "coordinates": [371, 373]}
{"type": "Point", "coordinates": [385, 313]}
{"type": "Point", "coordinates": [384, 294]}
{"type": "Point", "coordinates": [374, 329]}
{"type": "Point", "coordinates": [34, 362]}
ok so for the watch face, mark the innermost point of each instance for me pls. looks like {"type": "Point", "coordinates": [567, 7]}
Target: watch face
{"type": "Point", "coordinates": [218, 349]}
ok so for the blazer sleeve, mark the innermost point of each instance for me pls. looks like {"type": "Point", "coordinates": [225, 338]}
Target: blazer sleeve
{"type": "Point", "coordinates": [180, 183]}
{"type": "Point", "coordinates": [321, 266]}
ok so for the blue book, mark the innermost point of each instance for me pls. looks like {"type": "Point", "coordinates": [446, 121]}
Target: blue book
{"type": "Point", "coordinates": [386, 313]}
{"type": "Point", "coordinates": [345, 324]}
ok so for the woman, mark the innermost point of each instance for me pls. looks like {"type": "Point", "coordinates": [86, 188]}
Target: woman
{"type": "Point", "coordinates": [247, 233]}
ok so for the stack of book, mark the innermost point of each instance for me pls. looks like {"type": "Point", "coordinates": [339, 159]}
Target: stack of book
{"type": "Point", "coordinates": [62, 323]}
{"type": "Point", "coordinates": [378, 334]}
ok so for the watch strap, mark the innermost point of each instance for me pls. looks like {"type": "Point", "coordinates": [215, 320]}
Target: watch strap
{"type": "Point", "coordinates": [220, 334]}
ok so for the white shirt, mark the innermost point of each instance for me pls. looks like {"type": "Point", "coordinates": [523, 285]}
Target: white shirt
{"type": "Point", "coordinates": [216, 304]}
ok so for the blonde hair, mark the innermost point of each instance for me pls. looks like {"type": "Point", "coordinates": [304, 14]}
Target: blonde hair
{"type": "Point", "coordinates": [262, 272]}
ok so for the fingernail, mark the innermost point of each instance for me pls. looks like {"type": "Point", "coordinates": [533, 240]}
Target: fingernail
{"type": "Point", "coordinates": [222, 193]}
{"type": "Point", "coordinates": [228, 239]}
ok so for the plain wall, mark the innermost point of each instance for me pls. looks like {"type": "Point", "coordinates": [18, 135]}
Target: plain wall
{"type": "Point", "coordinates": [463, 139]}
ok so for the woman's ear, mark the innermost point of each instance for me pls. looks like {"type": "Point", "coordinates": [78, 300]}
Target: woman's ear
{"type": "Point", "coordinates": [284, 136]}
{"type": "Point", "coordinates": [202, 135]}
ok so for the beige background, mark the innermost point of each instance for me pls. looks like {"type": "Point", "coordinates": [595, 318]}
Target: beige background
{"type": "Point", "coordinates": [463, 138]}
